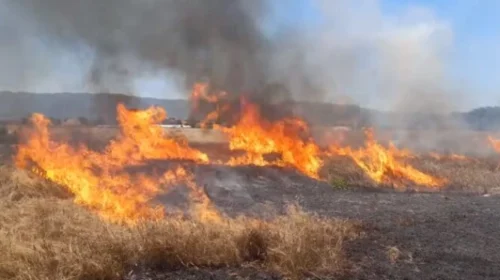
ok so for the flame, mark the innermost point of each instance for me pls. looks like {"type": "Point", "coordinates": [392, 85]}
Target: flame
{"type": "Point", "coordinates": [143, 139]}
{"type": "Point", "coordinates": [214, 115]}
{"type": "Point", "coordinates": [396, 152]}
{"type": "Point", "coordinates": [457, 157]}
{"type": "Point", "coordinates": [382, 165]}
{"type": "Point", "coordinates": [100, 181]}
{"type": "Point", "coordinates": [258, 137]}
{"type": "Point", "coordinates": [495, 143]}
{"type": "Point", "coordinates": [200, 92]}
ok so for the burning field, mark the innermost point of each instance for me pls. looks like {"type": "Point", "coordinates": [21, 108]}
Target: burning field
{"type": "Point", "coordinates": [270, 198]}
{"type": "Point", "coordinates": [318, 140]}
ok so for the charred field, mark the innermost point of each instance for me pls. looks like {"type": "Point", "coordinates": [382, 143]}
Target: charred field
{"type": "Point", "coordinates": [271, 223]}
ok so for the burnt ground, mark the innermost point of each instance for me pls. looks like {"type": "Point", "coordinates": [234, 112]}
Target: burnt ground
{"type": "Point", "coordinates": [444, 235]}
{"type": "Point", "coordinates": [433, 235]}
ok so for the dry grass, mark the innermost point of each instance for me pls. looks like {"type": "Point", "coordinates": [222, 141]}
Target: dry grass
{"type": "Point", "coordinates": [477, 175]}
{"type": "Point", "coordinates": [345, 170]}
{"type": "Point", "coordinates": [393, 253]}
{"type": "Point", "coordinates": [43, 235]}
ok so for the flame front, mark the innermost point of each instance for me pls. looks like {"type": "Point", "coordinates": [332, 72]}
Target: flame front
{"type": "Point", "coordinates": [99, 180]}
{"type": "Point", "coordinates": [382, 164]}
{"type": "Point", "coordinates": [258, 137]}
{"type": "Point", "coordinates": [141, 139]}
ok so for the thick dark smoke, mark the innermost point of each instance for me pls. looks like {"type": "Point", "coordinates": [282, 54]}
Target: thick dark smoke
{"type": "Point", "coordinates": [355, 53]}
{"type": "Point", "coordinates": [220, 41]}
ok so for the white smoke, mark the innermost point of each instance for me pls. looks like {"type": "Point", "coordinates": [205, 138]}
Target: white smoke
{"type": "Point", "coordinates": [378, 60]}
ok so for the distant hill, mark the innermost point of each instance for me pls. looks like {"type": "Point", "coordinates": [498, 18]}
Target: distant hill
{"type": "Point", "coordinates": [484, 118]}
{"type": "Point", "coordinates": [19, 105]}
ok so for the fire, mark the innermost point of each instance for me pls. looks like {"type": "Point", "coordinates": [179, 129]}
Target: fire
{"type": "Point", "coordinates": [100, 181]}
{"type": "Point", "coordinates": [258, 137]}
{"type": "Point", "coordinates": [382, 164]}
{"type": "Point", "coordinates": [495, 143]}
{"type": "Point", "coordinates": [200, 92]}
{"type": "Point", "coordinates": [398, 153]}
{"type": "Point", "coordinates": [142, 138]}
{"type": "Point", "coordinates": [214, 115]}
{"type": "Point", "coordinates": [457, 157]}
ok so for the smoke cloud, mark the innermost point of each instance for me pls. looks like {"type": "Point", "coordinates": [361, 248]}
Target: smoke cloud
{"type": "Point", "coordinates": [354, 53]}
{"type": "Point", "coordinates": [392, 62]}
{"type": "Point", "coordinates": [219, 39]}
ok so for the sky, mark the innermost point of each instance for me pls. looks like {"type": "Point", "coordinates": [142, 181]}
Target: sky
{"type": "Point", "coordinates": [475, 55]}
{"type": "Point", "coordinates": [452, 45]}
{"type": "Point", "coordinates": [472, 61]}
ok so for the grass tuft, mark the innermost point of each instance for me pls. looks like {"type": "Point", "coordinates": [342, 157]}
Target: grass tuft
{"type": "Point", "coordinates": [44, 235]}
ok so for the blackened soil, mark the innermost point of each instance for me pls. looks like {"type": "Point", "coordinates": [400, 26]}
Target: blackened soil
{"type": "Point", "coordinates": [407, 235]}
{"type": "Point", "coordinates": [435, 236]}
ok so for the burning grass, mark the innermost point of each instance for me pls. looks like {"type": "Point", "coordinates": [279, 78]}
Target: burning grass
{"type": "Point", "coordinates": [475, 175]}
{"type": "Point", "coordinates": [44, 235]}
{"type": "Point", "coordinates": [386, 164]}
{"type": "Point", "coordinates": [113, 226]}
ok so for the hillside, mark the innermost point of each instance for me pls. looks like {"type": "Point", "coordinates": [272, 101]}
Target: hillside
{"type": "Point", "coordinates": [14, 106]}
{"type": "Point", "coordinates": [18, 105]}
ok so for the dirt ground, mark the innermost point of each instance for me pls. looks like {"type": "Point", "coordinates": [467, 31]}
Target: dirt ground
{"type": "Point", "coordinates": [406, 235]}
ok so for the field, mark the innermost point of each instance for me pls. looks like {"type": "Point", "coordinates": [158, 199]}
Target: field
{"type": "Point", "coordinates": [277, 223]}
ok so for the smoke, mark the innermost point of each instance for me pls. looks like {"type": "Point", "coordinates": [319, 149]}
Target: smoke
{"type": "Point", "coordinates": [355, 53]}
{"type": "Point", "coordinates": [218, 39]}
{"type": "Point", "coordinates": [385, 61]}
{"type": "Point", "coordinates": [221, 41]}
{"type": "Point", "coordinates": [396, 62]}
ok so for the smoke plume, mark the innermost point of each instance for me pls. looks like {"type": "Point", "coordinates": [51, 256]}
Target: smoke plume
{"type": "Point", "coordinates": [354, 53]}
{"type": "Point", "coordinates": [219, 39]}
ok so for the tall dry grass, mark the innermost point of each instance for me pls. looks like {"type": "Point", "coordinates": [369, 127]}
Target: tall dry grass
{"type": "Point", "coordinates": [474, 174]}
{"type": "Point", "coordinates": [43, 236]}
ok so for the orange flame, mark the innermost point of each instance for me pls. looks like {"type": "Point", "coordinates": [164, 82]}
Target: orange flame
{"type": "Point", "coordinates": [100, 182]}
{"type": "Point", "coordinates": [200, 92]}
{"type": "Point", "coordinates": [495, 143]}
{"type": "Point", "coordinates": [142, 138]}
{"type": "Point", "coordinates": [214, 115]}
{"type": "Point", "coordinates": [258, 137]}
{"type": "Point", "coordinates": [457, 157]}
{"type": "Point", "coordinates": [382, 166]}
